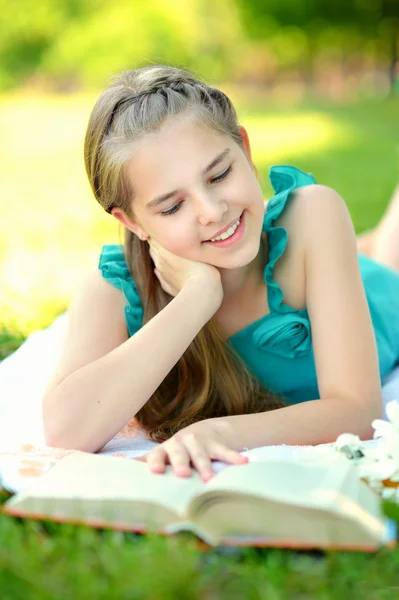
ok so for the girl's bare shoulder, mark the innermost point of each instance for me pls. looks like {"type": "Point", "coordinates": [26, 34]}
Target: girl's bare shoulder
{"type": "Point", "coordinates": [298, 217]}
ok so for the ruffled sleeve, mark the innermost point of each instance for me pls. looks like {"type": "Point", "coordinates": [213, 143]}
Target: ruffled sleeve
{"type": "Point", "coordinates": [115, 270]}
{"type": "Point", "coordinates": [284, 180]}
{"type": "Point", "coordinates": [285, 331]}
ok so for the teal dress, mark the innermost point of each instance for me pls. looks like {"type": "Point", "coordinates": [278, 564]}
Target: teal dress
{"type": "Point", "coordinates": [278, 346]}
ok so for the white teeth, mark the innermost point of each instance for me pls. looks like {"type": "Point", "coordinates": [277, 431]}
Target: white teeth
{"type": "Point", "coordinates": [227, 233]}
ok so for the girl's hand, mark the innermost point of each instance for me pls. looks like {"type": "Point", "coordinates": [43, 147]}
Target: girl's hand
{"type": "Point", "coordinates": [174, 271]}
{"type": "Point", "coordinates": [198, 443]}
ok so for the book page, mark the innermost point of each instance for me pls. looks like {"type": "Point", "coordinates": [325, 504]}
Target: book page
{"type": "Point", "coordinates": [319, 501]}
{"type": "Point", "coordinates": [86, 476]}
{"type": "Point", "coordinates": [270, 522]}
{"type": "Point", "coordinates": [297, 482]}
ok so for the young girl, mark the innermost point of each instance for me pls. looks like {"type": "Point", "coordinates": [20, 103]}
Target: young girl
{"type": "Point", "coordinates": [221, 324]}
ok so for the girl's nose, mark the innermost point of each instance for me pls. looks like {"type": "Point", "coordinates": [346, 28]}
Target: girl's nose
{"type": "Point", "coordinates": [210, 210]}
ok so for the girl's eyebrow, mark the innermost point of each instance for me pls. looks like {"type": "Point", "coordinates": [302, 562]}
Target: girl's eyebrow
{"type": "Point", "coordinates": [159, 199]}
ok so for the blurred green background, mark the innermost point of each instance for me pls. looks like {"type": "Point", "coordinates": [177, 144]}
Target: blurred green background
{"type": "Point", "coordinates": [316, 85]}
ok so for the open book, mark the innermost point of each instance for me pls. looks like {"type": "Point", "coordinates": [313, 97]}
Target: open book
{"type": "Point", "coordinates": [318, 502]}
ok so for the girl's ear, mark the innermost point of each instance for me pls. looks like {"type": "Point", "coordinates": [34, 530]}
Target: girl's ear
{"type": "Point", "coordinates": [247, 145]}
{"type": "Point", "coordinates": [120, 215]}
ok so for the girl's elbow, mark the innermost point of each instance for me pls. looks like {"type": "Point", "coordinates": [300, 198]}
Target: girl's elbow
{"type": "Point", "coordinates": [375, 411]}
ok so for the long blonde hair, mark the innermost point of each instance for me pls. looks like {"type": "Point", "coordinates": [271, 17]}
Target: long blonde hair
{"type": "Point", "coordinates": [210, 379]}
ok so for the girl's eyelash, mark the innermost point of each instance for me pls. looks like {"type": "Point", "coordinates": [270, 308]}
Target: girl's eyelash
{"type": "Point", "coordinates": [223, 175]}
{"type": "Point", "coordinates": [176, 207]}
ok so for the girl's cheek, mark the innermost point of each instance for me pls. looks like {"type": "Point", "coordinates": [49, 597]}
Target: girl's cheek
{"type": "Point", "coordinates": [177, 245]}
{"type": "Point", "coordinates": [179, 241]}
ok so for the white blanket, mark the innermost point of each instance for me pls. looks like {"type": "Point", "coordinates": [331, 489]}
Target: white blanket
{"type": "Point", "coordinates": [23, 379]}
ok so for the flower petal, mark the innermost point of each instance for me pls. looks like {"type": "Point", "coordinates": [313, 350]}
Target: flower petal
{"type": "Point", "coordinates": [383, 428]}
{"type": "Point", "coordinates": [348, 439]}
{"type": "Point", "coordinates": [380, 470]}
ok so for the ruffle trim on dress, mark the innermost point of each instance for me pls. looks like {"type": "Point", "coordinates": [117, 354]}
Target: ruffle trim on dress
{"type": "Point", "coordinates": [285, 331]}
{"type": "Point", "coordinates": [115, 270]}
{"type": "Point", "coordinates": [284, 180]}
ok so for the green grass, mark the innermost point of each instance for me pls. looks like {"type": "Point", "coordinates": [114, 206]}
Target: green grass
{"type": "Point", "coordinates": [41, 560]}
{"type": "Point", "coordinates": [51, 233]}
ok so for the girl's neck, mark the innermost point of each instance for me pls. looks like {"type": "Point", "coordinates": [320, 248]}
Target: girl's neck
{"type": "Point", "coordinates": [246, 281]}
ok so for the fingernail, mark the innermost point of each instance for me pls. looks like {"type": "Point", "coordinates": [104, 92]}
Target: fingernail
{"type": "Point", "coordinates": [183, 470]}
{"type": "Point", "coordinates": [157, 467]}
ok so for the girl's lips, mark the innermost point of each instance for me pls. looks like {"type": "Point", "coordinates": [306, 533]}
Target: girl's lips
{"type": "Point", "coordinates": [233, 239]}
{"type": "Point", "coordinates": [226, 228]}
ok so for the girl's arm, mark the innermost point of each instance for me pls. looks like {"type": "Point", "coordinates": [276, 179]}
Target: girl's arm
{"type": "Point", "coordinates": [95, 401]}
{"type": "Point", "coordinates": [342, 333]}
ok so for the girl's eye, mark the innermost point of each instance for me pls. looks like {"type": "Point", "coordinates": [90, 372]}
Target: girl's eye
{"type": "Point", "coordinates": [172, 210]}
{"type": "Point", "coordinates": [223, 175]}
{"type": "Point", "coordinates": [176, 207]}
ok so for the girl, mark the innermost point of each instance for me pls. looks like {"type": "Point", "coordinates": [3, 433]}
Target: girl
{"type": "Point", "coordinates": [220, 324]}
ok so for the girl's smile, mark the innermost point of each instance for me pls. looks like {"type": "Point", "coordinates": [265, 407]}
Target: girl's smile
{"type": "Point", "coordinates": [234, 236]}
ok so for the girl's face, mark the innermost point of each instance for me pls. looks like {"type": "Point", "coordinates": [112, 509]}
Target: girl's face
{"type": "Point", "coordinates": [207, 183]}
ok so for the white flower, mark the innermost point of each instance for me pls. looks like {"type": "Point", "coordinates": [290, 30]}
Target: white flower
{"type": "Point", "coordinates": [390, 447]}
{"type": "Point", "coordinates": [348, 439]}
{"type": "Point", "coordinates": [351, 445]}
{"type": "Point", "coordinates": [384, 429]}
{"type": "Point", "coordinates": [379, 470]}
{"type": "Point", "coordinates": [379, 461]}
{"type": "Point", "coordinates": [388, 432]}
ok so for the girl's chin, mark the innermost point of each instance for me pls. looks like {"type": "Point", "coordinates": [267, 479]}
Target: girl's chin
{"type": "Point", "coordinates": [239, 261]}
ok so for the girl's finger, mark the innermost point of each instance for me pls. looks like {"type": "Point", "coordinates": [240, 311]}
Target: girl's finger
{"type": "Point", "coordinates": [221, 452]}
{"type": "Point", "coordinates": [199, 456]}
{"type": "Point", "coordinates": [178, 457]}
{"type": "Point", "coordinates": [156, 459]}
